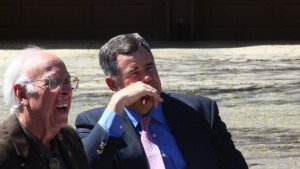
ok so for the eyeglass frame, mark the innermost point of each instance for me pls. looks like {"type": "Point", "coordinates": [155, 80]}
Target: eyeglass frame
{"type": "Point", "coordinates": [61, 82]}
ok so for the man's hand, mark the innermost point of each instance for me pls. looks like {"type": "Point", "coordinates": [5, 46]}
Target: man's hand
{"type": "Point", "coordinates": [142, 97]}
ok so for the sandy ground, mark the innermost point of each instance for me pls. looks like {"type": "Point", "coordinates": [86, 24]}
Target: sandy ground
{"type": "Point", "coordinates": [256, 85]}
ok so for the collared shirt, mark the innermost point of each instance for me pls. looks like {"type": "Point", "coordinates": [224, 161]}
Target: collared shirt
{"type": "Point", "coordinates": [159, 129]}
{"type": "Point", "coordinates": [45, 153]}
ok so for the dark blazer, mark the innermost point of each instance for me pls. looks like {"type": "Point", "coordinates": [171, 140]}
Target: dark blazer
{"type": "Point", "coordinates": [16, 152]}
{"type": "Point", "coordinates": [194, 121]}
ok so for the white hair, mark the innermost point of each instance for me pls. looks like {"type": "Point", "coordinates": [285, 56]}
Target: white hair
{"type": "Point", "coordinates": [13, 75]}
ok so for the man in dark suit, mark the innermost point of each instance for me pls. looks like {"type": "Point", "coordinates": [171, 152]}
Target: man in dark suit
{"type": "Point", "coordinates": [186, 129]}
{"type": "Point", "coordinates": [38, 89]}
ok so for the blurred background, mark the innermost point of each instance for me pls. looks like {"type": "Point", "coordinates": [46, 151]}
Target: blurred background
{"type": "Point", "coordinates": [155, 19]}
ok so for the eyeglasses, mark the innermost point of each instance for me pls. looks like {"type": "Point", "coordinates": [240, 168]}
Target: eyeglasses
{"type": "Point", "coordinates": [57, 82]}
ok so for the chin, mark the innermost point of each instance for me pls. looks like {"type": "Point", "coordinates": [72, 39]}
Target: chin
{"type": "Point", "coordinates": [62, 123]}
{"type": "Point", "coordinates": [60, 126]}
{"type": "Point", "coordinates": [140, 108]}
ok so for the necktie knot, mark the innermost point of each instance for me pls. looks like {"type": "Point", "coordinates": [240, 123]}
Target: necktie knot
{"type": "Point", "coordinates": [145, 121]}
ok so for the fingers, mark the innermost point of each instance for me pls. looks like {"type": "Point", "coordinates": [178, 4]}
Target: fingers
{"type": "Point", "coordinates": [151, 101]}
{"type": "Point", "coordinates": [150, 95]}
{"type": "Point", "coordinates": [138, 91]}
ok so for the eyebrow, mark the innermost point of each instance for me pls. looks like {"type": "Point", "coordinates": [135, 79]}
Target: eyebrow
{"type": "Point", "coordinates": [150, 64]}
{"type": "Point", "coordinates": [146, 65]}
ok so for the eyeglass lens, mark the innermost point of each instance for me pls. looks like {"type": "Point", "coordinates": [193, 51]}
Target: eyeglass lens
{"type": "Point", "coordinates": [58, 82]}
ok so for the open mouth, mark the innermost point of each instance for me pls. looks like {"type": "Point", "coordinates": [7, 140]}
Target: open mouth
{"type": "Point", "coordinates": [62, 107]}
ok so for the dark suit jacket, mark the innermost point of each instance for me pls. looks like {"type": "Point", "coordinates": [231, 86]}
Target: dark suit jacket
{"type": "Point", "coordinates": [16, 152]}
{"type": "Point", "coordinates": [194, 121]}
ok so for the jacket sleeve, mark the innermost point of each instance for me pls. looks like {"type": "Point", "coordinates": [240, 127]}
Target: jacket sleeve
{"type": "Point", "coordinates": [99, 146]}
{"type": "Point", "coordinates": [1, 167]}
{"type": "Point", "coordinates": [228, 155]}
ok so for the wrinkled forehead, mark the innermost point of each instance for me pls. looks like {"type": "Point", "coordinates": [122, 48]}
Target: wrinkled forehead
{"type": "Point", "coordinates": [39, 64]}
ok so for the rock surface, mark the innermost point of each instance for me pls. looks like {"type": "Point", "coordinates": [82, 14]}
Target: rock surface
{"type": "Point", "coordinates": [256, 86]}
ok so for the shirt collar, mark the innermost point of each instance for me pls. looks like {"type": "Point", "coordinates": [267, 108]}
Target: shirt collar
{"type": "Point", "coordinates": [39, 147]}
{"type": "Point", "coordinates": [155, 113]}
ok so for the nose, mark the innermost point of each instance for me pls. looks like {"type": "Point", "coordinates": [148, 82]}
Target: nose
{"type": "Point", "coordinates": [146, 79]}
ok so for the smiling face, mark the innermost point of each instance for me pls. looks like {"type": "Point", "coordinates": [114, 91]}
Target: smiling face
{"type": "Point", "coordinates": [137, 66]}
{"type": "Point", "coordinates": [46, 108]}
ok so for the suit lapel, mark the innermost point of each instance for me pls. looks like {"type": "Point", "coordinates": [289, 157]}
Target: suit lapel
{"type": "Point", "coordinates": [22, 146]}
{"type": "Point", "coordinates": [131, 151]}
{"type": "Point", "coordinates": [188, 131]}
{"type": "Point", "coordinates": [65, 151]}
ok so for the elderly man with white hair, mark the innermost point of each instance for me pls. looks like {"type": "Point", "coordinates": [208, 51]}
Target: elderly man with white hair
{"type": "Point", "coordinates": [38, 89]}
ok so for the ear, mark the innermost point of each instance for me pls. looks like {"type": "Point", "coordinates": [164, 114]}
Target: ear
{"type": "Point", "coordinates": [111, 84]}
{"type": "Point", "coordinates": [20, 93]}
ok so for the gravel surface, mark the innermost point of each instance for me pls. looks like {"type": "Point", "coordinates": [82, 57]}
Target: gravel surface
{"type": "Point", "coordinates": [256, 86]}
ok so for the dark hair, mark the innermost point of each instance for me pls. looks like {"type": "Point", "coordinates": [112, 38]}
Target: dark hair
{"type": "Point", "coordinates": [121, 44]}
